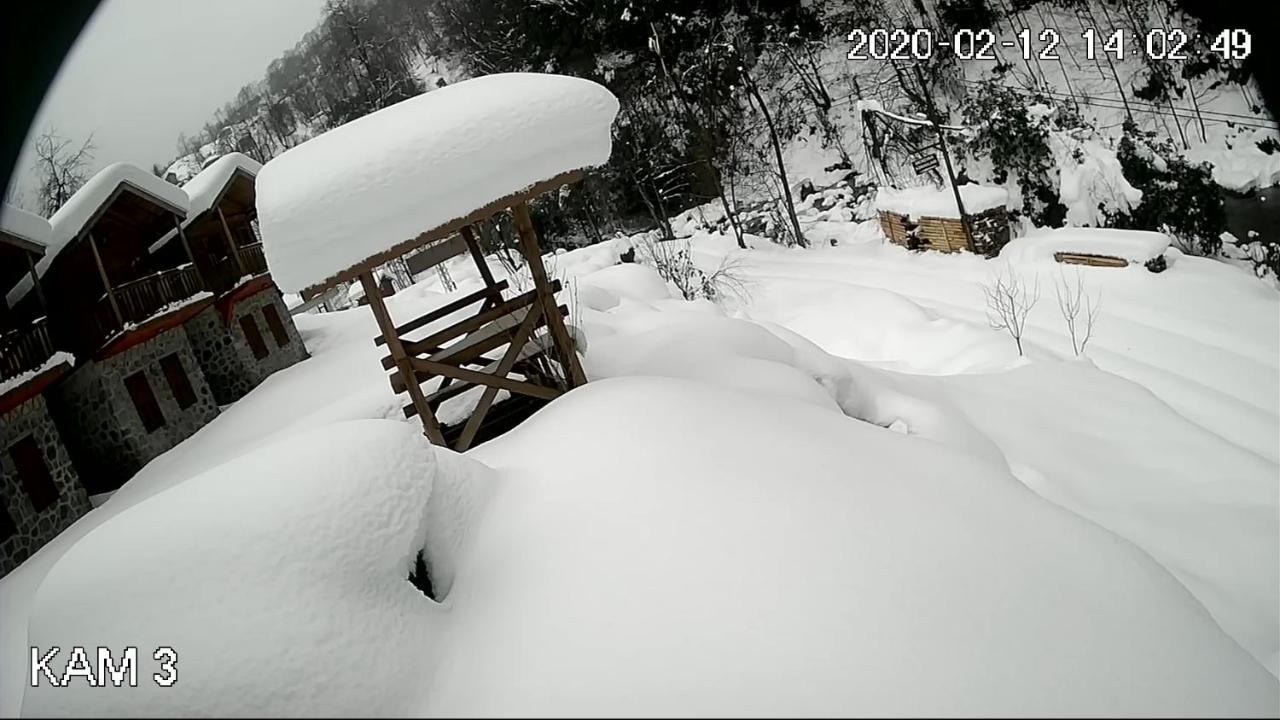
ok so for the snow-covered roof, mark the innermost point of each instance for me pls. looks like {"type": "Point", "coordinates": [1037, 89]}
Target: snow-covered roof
{"type": "Point", "coordinates": [207, 186]}
{"type": "Point", "coordinates": [28, 226]}
{"type": "Point", "coordinates": [1136, 246]}
{"type": "Point", "coordinates": [69, 221]}
{"type": "Point", "coordinates": [929, 201]}
{"type": "Point", "coordinates": [361, 189]}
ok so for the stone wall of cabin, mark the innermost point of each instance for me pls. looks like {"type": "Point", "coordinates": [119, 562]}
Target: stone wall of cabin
{"type": "Point", "coordinates": [103, 429]}
{"type": "Point", "coordinates": [224, 353]}
{"type": "Point", "coordinates": [35, 528]}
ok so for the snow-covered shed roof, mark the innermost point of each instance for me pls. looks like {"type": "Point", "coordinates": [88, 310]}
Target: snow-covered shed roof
{"type": "Point", "coordinates": [930, 201]}
{"type": "Point", "coordinates": [1135, 246]}
{"type": "Point", "coordinates": [377, 186]}
{"type": "Point", "coordinates": [84, 207]}
{"type": "Point", "coordinates": [24, 225]}
{"type": "Point", "coordinates": [208, 186]}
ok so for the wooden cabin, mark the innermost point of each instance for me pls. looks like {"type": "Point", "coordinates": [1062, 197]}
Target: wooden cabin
{"type": "Point", "coordinates": [247, 333]}
{"type": "Point", "coordinates": [136, 389]}
{"type": "Point", "coordinates": [40, 490]}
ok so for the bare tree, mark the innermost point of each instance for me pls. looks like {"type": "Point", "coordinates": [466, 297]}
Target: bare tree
{"type": "Point", "coordinates": [1009, 302]}
{"type": "Point", "coordinates": [61, 168]}
{"type": "Point", "coordinates": [1078, 309]}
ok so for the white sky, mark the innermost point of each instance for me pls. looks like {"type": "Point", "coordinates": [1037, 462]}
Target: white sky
{"type": "Point", "coordinates": [143, 71]}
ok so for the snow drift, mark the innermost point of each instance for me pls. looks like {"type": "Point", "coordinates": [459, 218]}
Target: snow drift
{"type": "Point", "coordinates": [387, 177]}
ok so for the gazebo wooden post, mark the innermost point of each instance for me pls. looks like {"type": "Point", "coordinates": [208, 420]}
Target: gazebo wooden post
{"type": "Point", "coordinates": [555, 322]}
{"type": "Point", "coordinates": [430, 427]}
{"type": "Point", "coordinates": [106, 283]}
{"type": "Point", "coordinates": [191, 258]}
{"type": "Point", "coordinates": [35, 281]}
{"type": "Point", "coordinates": [231, 244]}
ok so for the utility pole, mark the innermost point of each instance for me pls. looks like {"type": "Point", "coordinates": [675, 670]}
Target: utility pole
{"type": "Point", "coordinates": [934, 116]}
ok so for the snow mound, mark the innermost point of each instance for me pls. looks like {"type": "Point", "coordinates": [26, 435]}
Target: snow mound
{"type": "Point", "coordinates": [278, 578]}
{"type": "Point", "coordinates": [28, 226]}
{"type": "Point", "coordinates": [1136, 246]}
{"type": "Point", "coordinates": [719, 554]}
{"type": "Point", "coordinates": [363, 188]}
{"type": "Point", "coordinates": [928, 201]}
{"type": "Point", "coordinates": [80, 208]}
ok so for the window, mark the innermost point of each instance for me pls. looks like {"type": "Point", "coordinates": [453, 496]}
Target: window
{"type": "Point", "coordinates": [8, 528]}
{"type": "Point", "coordinates": [179, 383]}
{"type": "Point", "coordinates": [275, 326]}
{"type": "Point", "coordinates": [254, 337]}
{"type": "Point", "coordinates": [34, 473]}
{"type": "Point", "coordinates": [144, 401]}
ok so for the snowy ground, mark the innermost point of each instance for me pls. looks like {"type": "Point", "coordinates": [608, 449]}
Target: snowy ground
{"type": "Point", "coordinates": [839, 492]}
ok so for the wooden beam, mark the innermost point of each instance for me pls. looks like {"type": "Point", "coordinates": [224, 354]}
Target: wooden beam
{"type": "Point", "coordinates": [483, 378]}
{"type": "Point", "coordinates": [504, 366]}
{"type": "Point", "coordinates": [433, 341]}
{"type": "Point", "coordinates": [430, 427]}
{"type": "Point", "coordinates": [106, 283]}
{"type": "Point", "coordinates": [35, 282]}
{"type": "Point", "coordinates": [443, 311]}
{"type": "Point", "coordinates": [555, 322]}
{"type": "Point", "coordinates": [182, 234]}
{"type": "Point", "coordinates": [477, 254]}
{"type": "Point", "coordinates": [231, 245]}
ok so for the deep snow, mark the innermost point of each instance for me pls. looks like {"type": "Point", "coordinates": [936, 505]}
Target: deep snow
{"type": "Point", "coordinates": [849, 495]}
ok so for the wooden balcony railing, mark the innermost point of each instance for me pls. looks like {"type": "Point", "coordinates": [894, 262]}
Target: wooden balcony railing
{"type": "Point", "coordinates": [251, 257]}
{"type": "Point", "coordinates": [142, 298]}
{"type": "Point", "coordinates": [24, 349]}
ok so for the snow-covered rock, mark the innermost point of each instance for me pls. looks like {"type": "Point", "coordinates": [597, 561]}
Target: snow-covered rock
{"type": "Point", "coordinates": [930, 201]}
{"type": "Point", "coordinates": [363, 188]}
{"type": "Point", "coordinates": [1136, 246]}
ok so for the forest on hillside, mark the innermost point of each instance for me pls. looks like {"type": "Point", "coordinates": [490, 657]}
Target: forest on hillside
{"type": "Point", "coordinates": [716, 95]}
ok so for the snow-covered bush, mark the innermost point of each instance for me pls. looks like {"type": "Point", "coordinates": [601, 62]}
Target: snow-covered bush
{"type": "Point", "coordinates": [1009, 133]}
{"type": "Point", "coordinates": [673, 260]}
{"type": "Point", "coordinates": [1179, 197]}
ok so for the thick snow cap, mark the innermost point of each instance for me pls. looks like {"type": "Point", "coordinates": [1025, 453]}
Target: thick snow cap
{"type": "Point", "coordinates": [28, 226]}
{"type": "Point", "coordinates": [361, 189]}
{"type": "Point", "coordinates": [929, 201]}
{"type": "Point", "coordinates": [71, 218]}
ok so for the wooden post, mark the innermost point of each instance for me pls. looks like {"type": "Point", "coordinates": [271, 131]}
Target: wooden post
{"type": "Point", "coordinates": [934, 116]}
{"type": "Point", "coordinates": [430, 427]}
{"type": "Point", "coordinates": [231, 244]}
{"type": "Point", "coordinates": [35, 282]}
{"type": "Point", "coordinates": [555, 322]}
{"type": "Point", "coordinates": [102, 272]}
{"type": "Point", "coordinates": [177, 224]}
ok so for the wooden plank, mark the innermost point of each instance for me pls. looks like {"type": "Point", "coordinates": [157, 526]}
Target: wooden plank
{"type": "Point", "coordinates": [1092, 260]}
{"type": "Point", "coordinates": [555, 321]}
{"type": "Point", "coordinates": [445, 311]}
{"type": "Point", "coordinates": [504, 366]}
{"type": "Point", "coordinates": [231, 243]}
{"type": "Point", "coordinates": [430, 427]}
{"type": "Point", "coordinates": [434, 341]}
{"type": "Point", "coordinates": [435, 254]}
{"type": "Point", "coordinates": [476, 377]}
{"type": "Point", "coordinates": [498, 331]}
{"type": "Point", "coordinates": [536, 346]}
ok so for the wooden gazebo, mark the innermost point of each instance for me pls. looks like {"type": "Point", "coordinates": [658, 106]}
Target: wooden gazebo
{"type": "Point", "coordinates": [459, 357]}
{"type": "Point", "coordinates": [431, 169]}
